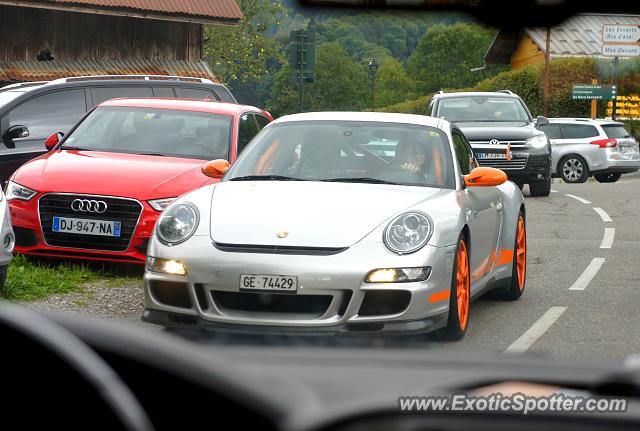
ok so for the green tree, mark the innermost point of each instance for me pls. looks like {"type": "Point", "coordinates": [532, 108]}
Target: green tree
{"type": "Point", "coordinates": [393, 85]}
{"type": "Point", "coordinates": [341, 84]}
{"type": "Point", "coordinates": [447, 53]}
{"type": "Point", "coordinates": [242, 52]}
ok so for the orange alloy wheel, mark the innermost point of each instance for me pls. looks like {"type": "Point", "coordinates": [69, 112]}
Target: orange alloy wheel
{"type": "Point", "coordinates": [521, 254]}
{"type": "Point", "coordinates": [462, 288]}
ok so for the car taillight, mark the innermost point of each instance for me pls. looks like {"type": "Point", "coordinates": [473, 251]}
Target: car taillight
{"type": "Point", "coordinates": [605, 143]}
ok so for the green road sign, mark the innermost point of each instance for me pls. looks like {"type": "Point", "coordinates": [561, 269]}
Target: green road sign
{"type": "Point", "coordinates": [591, 92]}
{"type": "Point", "coordinates": [309, 77]}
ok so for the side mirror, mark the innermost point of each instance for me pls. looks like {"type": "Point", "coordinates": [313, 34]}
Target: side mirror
{"type": "Point", "coordinates": [541, 121]}
{"type": "Point", "coordinates": [215, 168]}
{"type": "Point", "coordinates": [485, 177]}
{"type": "Point", "coordinates": [53, 140]}
{"type": "Point", "coordinates": [16, 132]}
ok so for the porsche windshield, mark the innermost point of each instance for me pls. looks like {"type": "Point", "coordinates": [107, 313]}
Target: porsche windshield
{"type": "Point", "coordinates": [482, 108]}
{"type": "Point", "coordinates": [346, 151]}
{"type": "Point", "coordinates": [165, 132]}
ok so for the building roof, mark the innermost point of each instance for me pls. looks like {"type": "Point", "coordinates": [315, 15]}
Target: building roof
{"type": "Point", "coordinates": [579, 36]}
{"type": "Point", "coordinates": [49, 70]}
{"type": "Point", "coordinates": [202, 11]}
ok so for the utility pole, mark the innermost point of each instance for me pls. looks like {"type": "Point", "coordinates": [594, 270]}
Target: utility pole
{"type": "Point", "coordinates": [545, 94]}
{"type": "Point", "coordinates": [615, 79]}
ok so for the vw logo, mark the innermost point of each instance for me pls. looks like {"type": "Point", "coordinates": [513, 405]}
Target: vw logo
{"type": "Point", "coordinates": [494, 142]}
{"type": "Point", "coordinates": [90, 206]}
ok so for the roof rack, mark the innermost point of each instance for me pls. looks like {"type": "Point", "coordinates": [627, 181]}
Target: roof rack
{"type": "Point", "coordinates": [22, 85]}
{"type": "Point", "coordinates": [132, 77]}
{"type": "Point", "coordinates": [506, 92]}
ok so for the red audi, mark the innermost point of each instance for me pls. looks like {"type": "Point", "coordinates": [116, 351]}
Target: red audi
{"type": "Point", "coordinates": [99, 190]}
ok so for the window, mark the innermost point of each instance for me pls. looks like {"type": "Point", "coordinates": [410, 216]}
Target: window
{"type": "Point", "coordinates": [463, 154]}
{"type": "Point", "coordinates": [195, 93]}
{"type": "Point", "coordinates": [49, 113]}
{"type": "Point", "coordinates": [578, 131]}
{"type": "Point", "coordinates": [100, 94]}
{"type": "Point", "coordinates": [247, 129]}
{"type": "Point", "coordinates": [346, 151]}
{"type": "Point", "coordinates": [615, 131]}
{"type": "Point", "coordinates": [551, 130]}
{"type": "Point", "coordinates": [167, 132]}
{"type": "Point", "coordinates": [262, 121]}
{"type": "Point", "coordinates": [482, 108]}
{"type": "Point", "coordinates": [163, 92]}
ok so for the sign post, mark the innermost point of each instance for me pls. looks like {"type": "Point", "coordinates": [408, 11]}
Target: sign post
{"type": "Point", "coordinates": [302, 58]}
{"type": "Point", "coordinates": [620, 40]}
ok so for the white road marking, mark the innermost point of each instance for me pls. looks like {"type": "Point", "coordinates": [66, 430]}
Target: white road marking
{"type": "Point", "coordinates": [536, 331]}
{"type": "Point", "coordinates": [602, 213]}
{"type": "Point", "coordinates": [578, 198]}
{"type": "Point", "coordinates": [589, 273]}
{"type": "Point", "coordinates": [607, 239]}
{"type": "Point", "coordinates": [554, 191]}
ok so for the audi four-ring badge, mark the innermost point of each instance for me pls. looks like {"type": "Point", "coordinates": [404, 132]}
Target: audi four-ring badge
{"type": "Point", "coordinates": [89, 205]}
{"type": "Point", "coordinates": [340, 221]}
{"type": "Point", "coordinates": [98, 192]}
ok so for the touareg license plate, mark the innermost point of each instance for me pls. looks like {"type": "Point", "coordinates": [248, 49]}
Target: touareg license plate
{"type": "Point", "coordinates": [279, 283]}
{"type": "Point", "coordinates": [499, 156]}
{"type": "Point", "coordinates": [86, 226]}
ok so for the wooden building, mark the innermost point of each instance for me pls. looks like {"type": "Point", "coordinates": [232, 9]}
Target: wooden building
{"type": "Point", "coordinates": [48, 39]}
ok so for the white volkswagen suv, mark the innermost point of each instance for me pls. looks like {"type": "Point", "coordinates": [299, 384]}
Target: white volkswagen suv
{"type": "Point", "coordinates": [581, 147]}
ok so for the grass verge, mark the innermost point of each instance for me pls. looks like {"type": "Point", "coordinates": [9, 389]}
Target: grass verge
{"type": "Point", "coordinates": [31, 280]}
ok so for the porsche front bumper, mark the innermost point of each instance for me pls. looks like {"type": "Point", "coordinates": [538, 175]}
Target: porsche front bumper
{"type": "Point", "coordinates": [331, 296]}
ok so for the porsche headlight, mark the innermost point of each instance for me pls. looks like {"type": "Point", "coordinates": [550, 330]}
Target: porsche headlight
{"type": "Point", "coordinates": [407, 233]}
{"type": "Point", "coordinates": [16, 191]}
{"type": "Point", "coordinates": [177, 223]}
{"type": "Point", "coordinates": [537, 141]}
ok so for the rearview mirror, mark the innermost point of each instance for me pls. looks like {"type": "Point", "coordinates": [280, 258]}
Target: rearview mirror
{"type": "Point", "coordinates": [53, 140]}
{"type": "Point", "coordinates": [16, 132]}
{"type": "Point", "coordinates": [485, 177]}
{"type": "Point", "coordinates": [542, 121]}
{"type": "Point", "coordinates": [215, 168]}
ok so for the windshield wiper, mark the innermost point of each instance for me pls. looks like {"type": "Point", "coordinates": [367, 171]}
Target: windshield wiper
{"type": "Point", "coordinates": [359, 180]}
{"type": "Point", "coordinates": [75, 148]}
{"type": "Point", "coordinates": [265, 178]}
{"type": "Point", "coordinates": [152, 154]}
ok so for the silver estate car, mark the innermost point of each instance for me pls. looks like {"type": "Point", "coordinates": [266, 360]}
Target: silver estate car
{"type": "Point", "coordinates": [7, 239]}
{"type": "Point", "coordinates": [314, 229]}
{"type": "Point", "coordinates": [581, 148]}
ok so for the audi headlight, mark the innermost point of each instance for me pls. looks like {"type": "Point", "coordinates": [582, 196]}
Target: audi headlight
{"type": "Point", "coordinates": [16, 191]}
{"type": "Point", "coordinates": [161, 204]}
{"type": "Point", "coordinates": [537, 141]}
{"type": "Point", "coordinates": [177, 223]}
{"type": "Point", "coordinates": [408, 232]}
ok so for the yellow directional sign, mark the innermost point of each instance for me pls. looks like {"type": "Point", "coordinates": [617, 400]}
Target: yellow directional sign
{"type": "Point", "coordinates": [626, 106]}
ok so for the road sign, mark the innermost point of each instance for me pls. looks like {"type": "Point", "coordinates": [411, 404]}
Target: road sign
{"type": "Point", "coordinates": [593, 92]}
{"type": "Point", "coordinates": [304, 58]}
{"type": "Point", "coordinates": [621, 40]}
{"type": "Point", "coordinates": [621, 33]}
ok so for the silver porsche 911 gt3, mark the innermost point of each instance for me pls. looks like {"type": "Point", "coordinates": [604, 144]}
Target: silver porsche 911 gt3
{"type": "Point", "coordinates": [340, 221]}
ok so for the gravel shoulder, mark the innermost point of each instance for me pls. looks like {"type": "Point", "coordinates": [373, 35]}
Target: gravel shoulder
{"type": "Point", "coordinates": [100, 299]}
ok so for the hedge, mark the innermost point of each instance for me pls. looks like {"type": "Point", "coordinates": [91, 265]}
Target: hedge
{"type": "Point", "coordinates": [563, 73]}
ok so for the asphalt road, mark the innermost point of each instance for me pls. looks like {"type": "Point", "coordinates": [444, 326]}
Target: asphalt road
{"type": "Point", "coordinates": [581, 300]}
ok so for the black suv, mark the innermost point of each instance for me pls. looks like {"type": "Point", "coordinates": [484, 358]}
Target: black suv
{"type": "Point", "coordinates": [502, 133]}
{"type": "Point", "coordinates": [30, 112]}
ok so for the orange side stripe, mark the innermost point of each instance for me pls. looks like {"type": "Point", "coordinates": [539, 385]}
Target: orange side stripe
{"type": "Point", "coordinates": [439, 296]}
{"type": "Point", "coordinates": [506, 256]}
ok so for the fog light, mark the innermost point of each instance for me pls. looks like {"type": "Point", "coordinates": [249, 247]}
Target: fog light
{"type": "Point", "coordinates": [398, 275]}
{"type": "Point", "coordinates": [166, 266]}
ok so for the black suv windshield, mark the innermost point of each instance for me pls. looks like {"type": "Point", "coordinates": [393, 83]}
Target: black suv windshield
{"type": "Point", "coordinates": [164, 132]}
{"type": "Point", "coordinates": [482, 108]}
